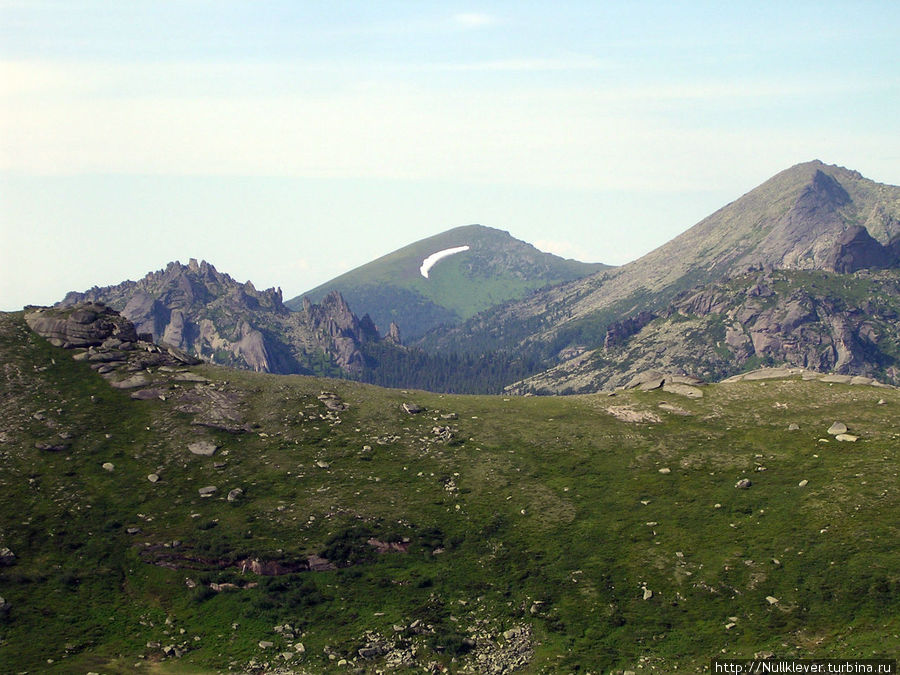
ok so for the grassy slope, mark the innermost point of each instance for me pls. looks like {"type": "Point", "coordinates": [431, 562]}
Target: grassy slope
{"type": "Point", "coordinates": [391, 286]}
{"type": "Point", "coordinates": [547, 508]}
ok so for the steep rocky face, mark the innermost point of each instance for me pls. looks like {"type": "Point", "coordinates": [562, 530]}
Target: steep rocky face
{"type": "Point", "coordinates": [856, 249]}
{"type": "Point", "coordinates": [820, 321]}
{"type": "Point", "coordinates": [197, 309]}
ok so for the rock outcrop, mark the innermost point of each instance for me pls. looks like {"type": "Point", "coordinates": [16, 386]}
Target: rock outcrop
{"type": "Point", "coordinates": [130, 361]}
{"type": "Point", "coordinates": [856, 249]}
{"type": "Point", "coordinates": [824, 322]}
{"type": "Point", "coordinates": [201, 311]}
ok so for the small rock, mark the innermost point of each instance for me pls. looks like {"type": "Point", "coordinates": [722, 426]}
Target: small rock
{"type": "Point", "coordinates": [265, 644]}
{"type": "Point", "coordinates": [299, 648]}
{"type": "Point", "coordinates": [837, 428]}
{"type": "Point", "coordinates": [412, 408]}
{"type": "Point", "coordinates": [235, 494]}
{"type": "Point", "coordinates": [7, 557]}
{"type": "Point", "coordinates": [203, 448]}
{"type": "Point", "coordinates": [847, 438]}
{"type": "Point", "coordinates": [647, 594]}
{"type": "Point", "coordinates": [803, 483]}
{"type": "Point", "coordinates": [665, 470]}
{"type": "Point", "coordinates": [880, 401]}
{"type": "Point", "coordinates": [207, 491]}
{"type": "Point", "coordinates": [771, 600]}
{"type": "Point", "coordinates": [743, 484]}
{"type": "Point", "coordinates": [322, 464]}
{"type": "Point", "coordinates": [108, 466]}
{"type": "Point", "coordinates": [793, 426]}
{"type": "Point", "coordinates": [153, 477]}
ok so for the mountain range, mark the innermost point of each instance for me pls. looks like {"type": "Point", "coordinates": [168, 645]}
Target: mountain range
{"type": "Point", "coordinates": [475, 310]}
{"type": "Point", "coordinates": [810, 217]}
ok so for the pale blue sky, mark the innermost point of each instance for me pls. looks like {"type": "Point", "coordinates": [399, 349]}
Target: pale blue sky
{"type": "Point", "coordinates": [287, 142]}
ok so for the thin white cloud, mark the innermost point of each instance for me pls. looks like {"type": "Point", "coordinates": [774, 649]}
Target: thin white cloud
{"type": "Point", "coordinates": [473, 19]}
{"type": "Point", "coordinates": [217, 119]}
{"type": "Point", "coordinates": [522, 65]}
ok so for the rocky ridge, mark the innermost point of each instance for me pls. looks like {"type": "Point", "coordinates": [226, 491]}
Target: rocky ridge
{"type": "Point", "coordinates": [203, 312]}
{"type": "Point", "coordinates": [819, 321]}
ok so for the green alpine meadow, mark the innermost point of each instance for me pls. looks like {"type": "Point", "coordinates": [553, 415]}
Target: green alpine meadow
{"type": "Point", "coordinates": [161, 515]}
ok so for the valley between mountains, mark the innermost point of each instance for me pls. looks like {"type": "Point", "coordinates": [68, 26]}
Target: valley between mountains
{"type": "Point", "coordinates": [469, 456]}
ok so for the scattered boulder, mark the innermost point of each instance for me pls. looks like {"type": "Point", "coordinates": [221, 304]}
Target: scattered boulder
{"type": "Point", "coordinates": [7, 557]}
{"type": "Point", "coordinates": [771, 600]}
{"type": "Point", "coordinates": [332, 401]}
{"type": "Point", "coordinates": [235, 494]}
{"type": "Point", "coordinates": [847, 438]}
{"type": "Point", "coordinates": [133, 382]}
{"type": "Point", "coordinates": [51, 447]}
{"type": "Point", "coordinates": [108, 466]}
{"type": "Point", "coordinates": [647, 594]}
{"type": "Point", "coordinates": [682, 389]}
{"type": "Point", "coordinates": [153, 477]}
{"type": "Point", "coordinates": [837, 428]}
{"type": "Point", "coordinates": [149, 394]}
{"type": "Point", "coordinates": [207, 491]}
{"type": "Point", "coordinates": [647, 381]}
{"type": "Point", "coordinates": [665, 470]}
{"type": "Point", "coordinates": [743, 484]}
{"type": "Point", "coordinates": [412, 408]}
{"type": "Point", "coordinates": [203, 448]}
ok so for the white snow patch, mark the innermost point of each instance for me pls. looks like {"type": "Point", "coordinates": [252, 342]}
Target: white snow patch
{"type": "Point", "coordinates": [430, 261]}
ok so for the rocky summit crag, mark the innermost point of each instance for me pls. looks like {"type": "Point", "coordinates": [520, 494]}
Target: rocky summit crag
{"type": "Point", "coordinates": [206, 313]}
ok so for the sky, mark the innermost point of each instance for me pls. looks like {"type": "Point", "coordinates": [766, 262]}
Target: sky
{"type": "Point", "coordinates": [287, 142]}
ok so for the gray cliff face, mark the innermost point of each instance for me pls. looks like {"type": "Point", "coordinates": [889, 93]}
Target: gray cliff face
{"type": "Point", "coordinates": [197, 309]}
{"type": "Point", "coordinates": [856, 249]}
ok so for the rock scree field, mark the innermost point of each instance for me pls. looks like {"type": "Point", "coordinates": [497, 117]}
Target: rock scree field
{"type": "Point", "coordinates": [163, 517]}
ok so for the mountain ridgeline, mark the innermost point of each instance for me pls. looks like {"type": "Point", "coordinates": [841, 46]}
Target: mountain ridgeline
{"type": "Point", "coordinates": [489, 268]}
{"type": "Point", "coordinates": [802, 270]}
